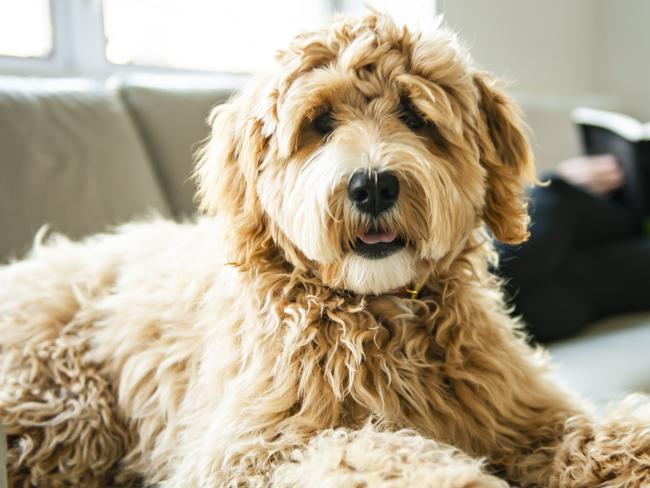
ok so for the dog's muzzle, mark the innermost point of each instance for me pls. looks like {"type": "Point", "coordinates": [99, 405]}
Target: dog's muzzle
{"type": "Point", "coordinates": [373, 193]}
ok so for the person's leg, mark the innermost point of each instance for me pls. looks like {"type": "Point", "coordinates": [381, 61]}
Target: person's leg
{"type": "Point", "coordinates": [592, 285]}
{"type": "Point", "coordinates": [554, 310]}
{"type": "Point", "coordinates": [563, 218]}
{"type": "Point", "coordinates": [539, 277]}
{"type": "Point", "coordinates": [615, 277]}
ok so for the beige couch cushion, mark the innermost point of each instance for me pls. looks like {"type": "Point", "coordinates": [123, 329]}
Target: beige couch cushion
{"type": "Point", "coordinates": [69, 157]}
{"type": "Point", "coordinates": [170, 112]}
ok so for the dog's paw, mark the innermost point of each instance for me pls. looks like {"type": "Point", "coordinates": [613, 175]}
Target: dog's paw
{"type": "Point", "coordinates": [613, 453]}
{"type": "Point", "coordinates": [369, 457]}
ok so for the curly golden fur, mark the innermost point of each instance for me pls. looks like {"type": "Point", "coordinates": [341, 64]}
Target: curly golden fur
{"type": "Point", "coordinates": [258, 347]}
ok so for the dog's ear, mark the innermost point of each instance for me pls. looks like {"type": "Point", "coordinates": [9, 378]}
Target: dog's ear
{"type": "Point", "coordinates": [227, 165]}
{"type": "Point", "coordinates": [226, 174]}
{"type": "Point", "coordinates": [508, 160]}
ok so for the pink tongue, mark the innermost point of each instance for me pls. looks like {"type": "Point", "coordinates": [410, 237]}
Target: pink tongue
{"type": "Point", "coordinates": [375, 237]}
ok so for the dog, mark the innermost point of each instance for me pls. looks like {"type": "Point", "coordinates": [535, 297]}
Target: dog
{"type": "Point", "coordinates": [331, 320]}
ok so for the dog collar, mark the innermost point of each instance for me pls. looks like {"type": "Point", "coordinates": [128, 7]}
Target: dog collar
{"type": "Point", "coordinates": [412, 293]}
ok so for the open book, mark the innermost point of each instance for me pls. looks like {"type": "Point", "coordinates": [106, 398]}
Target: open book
{"type": "Point", "coordinates": [629, 141]}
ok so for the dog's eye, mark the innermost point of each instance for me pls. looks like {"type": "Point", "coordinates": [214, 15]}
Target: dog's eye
{"type": "Point", "coordinates": [324, 123]}
{"type": "Point", "coordinates": [411, 118]}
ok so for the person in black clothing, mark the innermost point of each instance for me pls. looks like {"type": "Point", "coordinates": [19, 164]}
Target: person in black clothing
{"type": "Point", "coordinates": [587, 257]}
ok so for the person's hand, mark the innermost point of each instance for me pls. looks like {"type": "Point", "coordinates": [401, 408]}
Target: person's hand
{"type": "Point", "coordinates": [599, 174]}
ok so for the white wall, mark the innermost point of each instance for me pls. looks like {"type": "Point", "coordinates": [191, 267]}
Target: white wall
{"type": "Point", "coordinates": [542, 46]}
{"type": "Point", "coordinates": [625, 63]}
{"type": "Point", "coordinates": [559, 54]}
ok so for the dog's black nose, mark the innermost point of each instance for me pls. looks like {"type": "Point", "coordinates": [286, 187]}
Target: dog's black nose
{"type": "Point", "coordinates": [373, 192]}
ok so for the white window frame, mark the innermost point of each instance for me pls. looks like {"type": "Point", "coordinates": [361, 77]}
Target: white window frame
{"type": "Point", "coordinates": [79, 45]}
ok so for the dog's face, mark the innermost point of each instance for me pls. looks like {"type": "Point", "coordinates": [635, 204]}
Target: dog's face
{"type": "Point", "coordinates": [372, 153]}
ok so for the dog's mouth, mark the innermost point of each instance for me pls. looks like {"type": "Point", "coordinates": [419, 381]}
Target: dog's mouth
{"type": "Point", "coordinates": [377, 243]}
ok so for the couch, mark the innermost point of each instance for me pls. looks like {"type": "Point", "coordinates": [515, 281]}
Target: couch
{"type": "Point", "coordinates": [81, 155]}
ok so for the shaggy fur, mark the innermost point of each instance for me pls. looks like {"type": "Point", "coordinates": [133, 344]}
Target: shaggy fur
{"type": "Point", "coordinates": [255, 347]}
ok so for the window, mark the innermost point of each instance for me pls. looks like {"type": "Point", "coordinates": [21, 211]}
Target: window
{"type": "Point", "coordinates": [233, 36]}
{"type": "Point", "coordinates": [25, 28]}
{"type": "Point", "coordinates": [100, 37]}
